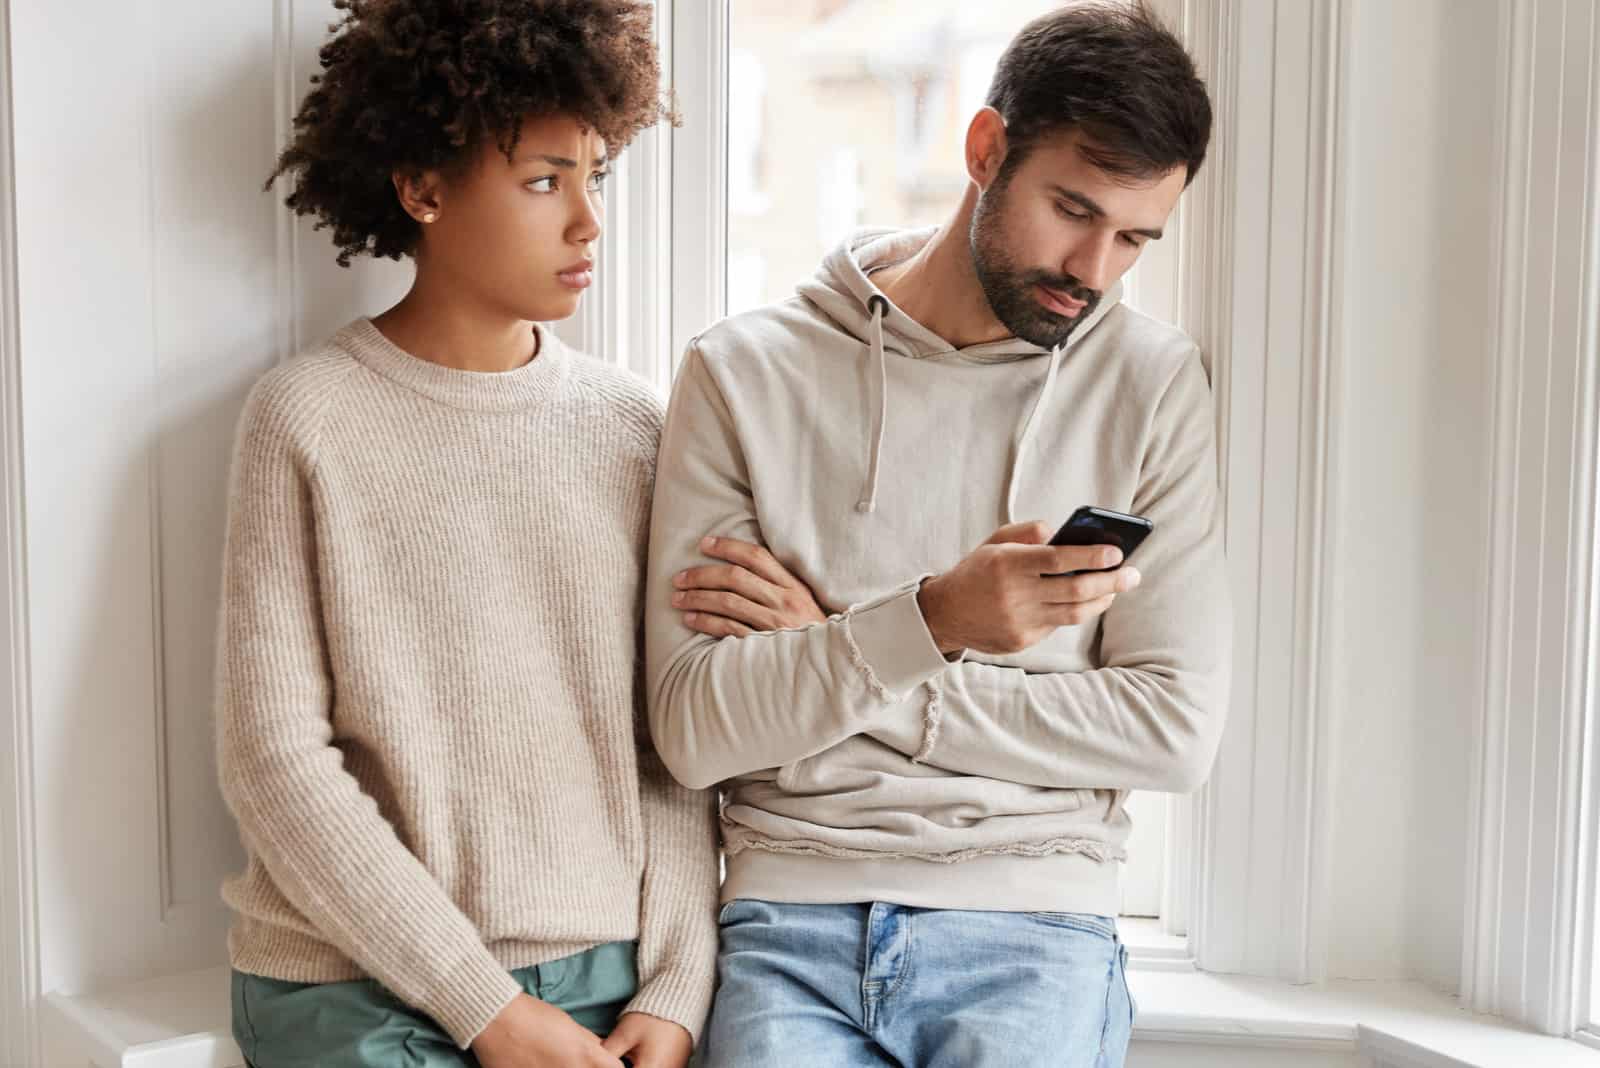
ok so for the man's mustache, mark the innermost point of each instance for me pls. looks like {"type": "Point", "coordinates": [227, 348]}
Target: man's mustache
{"type": "Point", "coordinates": [1068, 285]}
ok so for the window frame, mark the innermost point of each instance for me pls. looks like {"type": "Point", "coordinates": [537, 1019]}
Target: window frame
{"type": "Point", "coordinates": [1529, 948]}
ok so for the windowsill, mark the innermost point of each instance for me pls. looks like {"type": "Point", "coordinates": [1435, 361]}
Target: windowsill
{"type": "Point", "coordinates": [1393, 1022]}
{"type": "Point", "coordinates": [1150, 949]}
{"type": "Point", "coordinates": [182, 1021]}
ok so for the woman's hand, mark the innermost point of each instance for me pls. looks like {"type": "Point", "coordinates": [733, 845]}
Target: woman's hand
{"type": "Point", "coordinates": [749, 593]}
{"type": "Point", "coordinates": [530, 1033]}
{"type": "Point", "coordinates": [649, 1042]}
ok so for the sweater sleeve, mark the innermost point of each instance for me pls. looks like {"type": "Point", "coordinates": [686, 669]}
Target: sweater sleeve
{"type": "Point", "coordinates": [677, 957]}
{"type": "Point", "coordinates": [725, 707]}
{"type": "Point", "coordinates": [678, 899]}
{"type": "Point", "coordinates": [321, 838]}
{"type": "Point", "coordinates": [1150, 717]}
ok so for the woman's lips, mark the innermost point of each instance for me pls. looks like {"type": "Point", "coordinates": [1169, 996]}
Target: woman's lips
{"type": "Point", "coordinates": [577, 277]}
{"type": "Point", "coordinates": [1060, 303]}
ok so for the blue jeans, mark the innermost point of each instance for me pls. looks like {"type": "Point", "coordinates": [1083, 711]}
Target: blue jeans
{"type": "Point", "coordinates": [876, 985]}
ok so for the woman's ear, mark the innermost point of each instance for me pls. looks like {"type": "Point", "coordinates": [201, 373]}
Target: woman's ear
{"type": "Point", "coordinates": [420, 194]}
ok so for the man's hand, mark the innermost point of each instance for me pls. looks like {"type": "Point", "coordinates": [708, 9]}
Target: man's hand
{"type": "Point", "coordinates": [649, 1042]}
{"type": "Point", "coordinates": [751, 592]}
{"type": "Point", "coordinates": [1008, 595]}
{"type": "Point", "coordinates": [529, 1033]}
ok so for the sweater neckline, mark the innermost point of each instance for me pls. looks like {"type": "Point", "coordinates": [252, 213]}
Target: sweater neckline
{"type": "Point", "coordinates": [522, 387]}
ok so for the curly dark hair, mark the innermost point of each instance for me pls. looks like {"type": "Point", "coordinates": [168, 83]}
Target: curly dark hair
{"type": "Point", "coordinates": [414, 85]}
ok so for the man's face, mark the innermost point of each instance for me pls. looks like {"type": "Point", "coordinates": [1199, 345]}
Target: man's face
{"type": "Point", "coordinates": [1050, 236]}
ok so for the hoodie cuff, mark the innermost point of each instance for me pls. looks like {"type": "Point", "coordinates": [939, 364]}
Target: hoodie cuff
{"type": "Point", "coordinates": [890, 640]}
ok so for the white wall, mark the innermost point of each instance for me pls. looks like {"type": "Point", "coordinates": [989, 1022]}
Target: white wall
{"type": "Point", "coordinates": [156, 282]}
{"type": "Point", "coordinates": [1412, 527]}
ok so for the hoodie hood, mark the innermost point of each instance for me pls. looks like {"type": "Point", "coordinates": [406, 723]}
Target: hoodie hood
{"type": "Point", "coordinates": [843, 290]}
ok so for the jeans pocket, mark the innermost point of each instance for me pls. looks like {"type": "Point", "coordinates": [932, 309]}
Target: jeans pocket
{"type": "Point", "coordinates": [1087, 922]}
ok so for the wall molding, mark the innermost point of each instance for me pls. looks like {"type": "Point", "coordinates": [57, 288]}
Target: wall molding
{"type": "Point", "coordinates": [1526, 950]}
{"type": "Point", "coordinates": [286, 100]}
{"type": "Point", "coordinates": [19, 913]}
{"type": "Point", "coordinates": [1262, 290]}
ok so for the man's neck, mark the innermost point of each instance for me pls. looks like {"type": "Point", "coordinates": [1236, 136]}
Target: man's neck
{"type": "Point", "coordinates": [939, 287]}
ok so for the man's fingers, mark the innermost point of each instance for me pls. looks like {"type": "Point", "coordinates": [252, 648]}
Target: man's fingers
{"type": "Point", "coordinates": [733, 577]}
{"type": "Point", "coordinates": [1089, 586]}
{"type": "Point", "coordinates": [730, 605]}
{"type": "Point", "coordinates": [1032, 532]}
{"type": "Point", "coordinates": [1078, 613]}
{"type": "Point", "coordinates": [1056, 559]}
{"type": "Point", "coordinates": [716, 626]}
{"type": "Point", "coordinates": [753, 558]}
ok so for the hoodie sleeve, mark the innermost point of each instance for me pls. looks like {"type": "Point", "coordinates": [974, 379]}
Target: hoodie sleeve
{"type": "Point", "coordinates": [726, 707]}
{"type": "Point", "coordinates": [1151, 716]}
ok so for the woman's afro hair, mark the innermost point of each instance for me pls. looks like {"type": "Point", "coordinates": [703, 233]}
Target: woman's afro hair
{"type": "Point", "coordinates": [414, 85]}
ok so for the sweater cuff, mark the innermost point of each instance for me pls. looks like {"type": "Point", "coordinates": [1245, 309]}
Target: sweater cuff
{"type": "Point", "coordinates": [469, 996]}
{"type": "Point", "coordinates": [679, 993]}
{"type": "Point", "coordinates": [892, 643]}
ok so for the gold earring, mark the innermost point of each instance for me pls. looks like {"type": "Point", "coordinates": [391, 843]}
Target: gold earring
{"type": "Point", "coordinates": [429, 217]}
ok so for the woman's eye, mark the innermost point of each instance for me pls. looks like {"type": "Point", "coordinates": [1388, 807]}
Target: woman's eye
{"type": "Point", "coordinates": [546, 184]}
{"type": "Point", "coordinates": [597, 180]}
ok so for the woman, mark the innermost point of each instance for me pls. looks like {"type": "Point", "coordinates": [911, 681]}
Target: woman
{"type": "Point", "coordinates": [461, 848]}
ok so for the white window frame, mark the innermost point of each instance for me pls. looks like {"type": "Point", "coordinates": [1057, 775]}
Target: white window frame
{"type": "Point", "coordinates": [1528, 951]}
{"type": "Point", "coordinates": [19, 925]}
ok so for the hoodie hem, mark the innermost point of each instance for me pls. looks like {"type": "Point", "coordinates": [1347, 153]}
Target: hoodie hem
{"type": "Point", "coordinates": [1056, 882]}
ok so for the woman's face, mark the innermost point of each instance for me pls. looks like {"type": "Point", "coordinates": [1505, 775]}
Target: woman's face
{"type": "Point", "coordinates": [521, 236]}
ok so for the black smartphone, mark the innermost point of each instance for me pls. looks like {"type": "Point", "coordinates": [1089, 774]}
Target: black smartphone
{"type": "Point", "coordinates": [1102, 526]}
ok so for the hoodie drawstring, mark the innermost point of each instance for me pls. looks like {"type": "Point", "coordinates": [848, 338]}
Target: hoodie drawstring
{"type": "Point", "coordinates": [879, 306]}
{"type": "Point", "coordinates": [1039, 402]}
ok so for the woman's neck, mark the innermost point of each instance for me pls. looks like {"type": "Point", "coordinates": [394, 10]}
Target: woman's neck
{"type": "Point", "coordinates": [444, 328]}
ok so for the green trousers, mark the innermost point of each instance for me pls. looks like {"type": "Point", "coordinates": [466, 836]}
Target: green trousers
{"type": "Point", "coordinates": [360, 1024]}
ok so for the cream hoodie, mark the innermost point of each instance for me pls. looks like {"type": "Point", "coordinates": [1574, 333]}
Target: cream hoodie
{"type": "Point", "coordinates": [856, 763]}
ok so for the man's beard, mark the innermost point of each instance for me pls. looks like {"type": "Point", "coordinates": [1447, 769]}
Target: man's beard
{"type": "Point", "coordinates": [1010, 291]}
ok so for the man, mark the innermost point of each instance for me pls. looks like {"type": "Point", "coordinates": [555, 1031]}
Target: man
{"type": "Point", "coordinates": [923, 792]}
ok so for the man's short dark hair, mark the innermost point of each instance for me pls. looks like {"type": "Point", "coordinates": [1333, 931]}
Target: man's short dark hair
{"type": "Point", "coordinates": [1113, 72]}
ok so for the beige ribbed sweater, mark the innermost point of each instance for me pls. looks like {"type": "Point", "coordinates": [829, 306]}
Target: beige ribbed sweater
{"type": "Point", "coordinates": [430, 718]}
